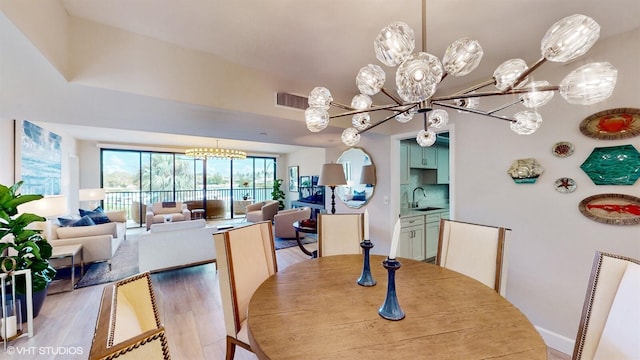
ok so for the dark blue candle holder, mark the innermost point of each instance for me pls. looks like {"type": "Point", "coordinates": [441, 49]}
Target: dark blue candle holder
{"type": "Point", "coordinates": [366, 279]}
{"type": "Point", "coordinates": [391, 310]}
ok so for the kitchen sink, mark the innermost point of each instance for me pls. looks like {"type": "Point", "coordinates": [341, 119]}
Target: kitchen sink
{"type": "Point", "coordinates": [428, 209]}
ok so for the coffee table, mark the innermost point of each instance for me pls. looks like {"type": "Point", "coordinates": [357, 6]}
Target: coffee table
{"type": "Point", "coordinates": [65, 251]}
{"type": "Point", "coordinates": [305, 229]}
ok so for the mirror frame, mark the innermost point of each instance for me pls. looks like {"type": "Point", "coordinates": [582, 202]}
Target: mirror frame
{"type": "Point", "coordinates": [353, 171]}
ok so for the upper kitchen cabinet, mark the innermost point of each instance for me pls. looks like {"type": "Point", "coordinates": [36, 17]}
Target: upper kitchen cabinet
{"type": "Point", "coordinates": [441, 174]}
{"type": "Point", "coordinates": [404, 163]}
{"type": "Point", "coordinates": [422, 157]}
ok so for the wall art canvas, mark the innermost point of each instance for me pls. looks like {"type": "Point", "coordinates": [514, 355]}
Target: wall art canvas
{"type": "Point", "coordinates": [293, 178]}
{"type": "Point", "coordinates": [38, 159]}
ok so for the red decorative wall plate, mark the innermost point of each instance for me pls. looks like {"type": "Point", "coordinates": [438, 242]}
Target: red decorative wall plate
{"type": "Point", "coordinates": [615, 209]}
{"type": "Point", "coordinates": [612, 124]}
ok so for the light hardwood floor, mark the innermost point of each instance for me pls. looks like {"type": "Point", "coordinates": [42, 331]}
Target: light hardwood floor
{"type": "Point", "coordinates": [189, 305]}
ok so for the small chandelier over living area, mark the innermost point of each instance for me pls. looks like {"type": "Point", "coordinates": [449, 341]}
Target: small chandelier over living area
{"type": "Point", "coordinates": [419, 74]}
{"type": "Point", "coordinates": [217, 152]}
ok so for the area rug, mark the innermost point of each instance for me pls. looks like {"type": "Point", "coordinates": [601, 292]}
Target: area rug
{"type": "Point", "coordinates": [123, 264]}
{"type": "Point", "coordinates": [287, 243]}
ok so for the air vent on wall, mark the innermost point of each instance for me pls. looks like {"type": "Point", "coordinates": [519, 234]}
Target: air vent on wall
{"type": "Point", "coordinates": [292, 101]}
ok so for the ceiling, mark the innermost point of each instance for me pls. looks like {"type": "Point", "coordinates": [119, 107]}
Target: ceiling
{"type": "Point", "coordinates": [324, 43]}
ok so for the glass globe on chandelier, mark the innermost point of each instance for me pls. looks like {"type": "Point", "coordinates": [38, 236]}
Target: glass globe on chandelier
{"type": "Point", "coordinates": [419, 74]}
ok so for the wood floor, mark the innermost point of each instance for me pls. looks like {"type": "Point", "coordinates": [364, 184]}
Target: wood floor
{"type": "Point", "coordinates": [189, 304]}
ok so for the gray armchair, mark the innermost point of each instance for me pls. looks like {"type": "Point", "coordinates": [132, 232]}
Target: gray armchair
{"type": "Point", "coordinates": [284, 219]}
{"type": "Point", "coordinates": [262, 211]}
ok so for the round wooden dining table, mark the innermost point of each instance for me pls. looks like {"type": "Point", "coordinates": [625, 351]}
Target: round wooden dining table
{"type": "Point", "coordinates": [315, 310]}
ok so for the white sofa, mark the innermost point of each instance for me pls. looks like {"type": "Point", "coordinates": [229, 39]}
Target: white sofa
{"type": "Point", "coordinates": [173, 245]}
{"type": "Point", "coordinates": [162, 212]}
{"type": "Point", "coordinates": [99, 242]}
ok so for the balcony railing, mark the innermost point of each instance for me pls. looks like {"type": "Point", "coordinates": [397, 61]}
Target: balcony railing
{"type": "Point", "coordinates": [130, 201]}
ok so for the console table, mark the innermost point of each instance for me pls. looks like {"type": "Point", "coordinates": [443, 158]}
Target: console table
{"type": "Point", "coordinates": [315, 208]}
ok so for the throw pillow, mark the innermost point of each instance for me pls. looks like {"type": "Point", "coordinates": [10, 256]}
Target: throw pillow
{"type": "Point", "coordinates": [84, 221]}
{"type": "Point", "coordinates": [359, 195]}
{"type": "Point", "coordinates": [65, 221]}
{"type": "Point", "coordinates": [97, 215]}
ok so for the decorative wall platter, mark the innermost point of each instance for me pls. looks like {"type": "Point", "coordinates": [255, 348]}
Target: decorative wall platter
{"type": "Point", "coordinates": [612, 124]}
{"type": "Point", "coordinates": [615, 209]}
{"type": "Point", "coordinates": [525, 171]}
{"type": "Point", "coordinates": [563, 149]}
{"type": "Point", "coordinates": [613, 165]}
{"type": "Point", "coordinates": [565, 185]}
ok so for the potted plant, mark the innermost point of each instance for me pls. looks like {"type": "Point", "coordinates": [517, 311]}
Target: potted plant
{"type": "Point", "coordinates": [30, 250]}
{"type": "Point", "coordinates": [277, 193]}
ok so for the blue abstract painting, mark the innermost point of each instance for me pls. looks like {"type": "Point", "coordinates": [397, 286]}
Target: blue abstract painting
{"type": "Point", "coordinates": [40, 160]}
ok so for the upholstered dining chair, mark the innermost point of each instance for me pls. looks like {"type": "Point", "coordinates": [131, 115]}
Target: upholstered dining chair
{"type": "Point", "coordinates": [610, 323]}
{"type": "Point", "coordinates": [478, 251]}
{"type": "Point", "coordinates": [246, 257]}
{"type": "Point", "coordinates": [339, 234]}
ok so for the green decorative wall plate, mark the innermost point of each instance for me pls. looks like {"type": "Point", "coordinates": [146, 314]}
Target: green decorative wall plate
{"type": "Point", "coordinates": [613, 165]}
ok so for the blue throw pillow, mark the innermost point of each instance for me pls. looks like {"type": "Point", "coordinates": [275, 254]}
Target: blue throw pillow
{"type": "Point", "coordinates": [359, 196]}
{"type": "Point", "coordinates": [84, 221]}
{"type": "Point", "coordinates": [97, 215]}
{"type": "Point", "coordinates": [65, 221]}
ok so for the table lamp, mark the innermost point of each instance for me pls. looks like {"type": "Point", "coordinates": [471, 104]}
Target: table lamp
{"type": "Point", "coordinates": [368, 175]}
{"type": "Point", "coordinates": [93, 196]}
{"type": "Point", "coordinates": [47, 207]}
{"type": "Point", "coordinates": [332, 175]}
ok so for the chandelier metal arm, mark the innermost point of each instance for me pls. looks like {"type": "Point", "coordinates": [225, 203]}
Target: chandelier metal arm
{"type": "Point", "coordinates": [390, 107]}
{"type": "Point", "coordinates": [476, 87]}
{"type": "Point", "coordinates": [494, 93]}
{"type": "Point", "coordinates": [390, 95]}
{"type": "Point", "coordinates": [504, 106]}
{"type": "Point", "coordinates": [474, 111]}
{"type": "Point", "coordinates": [341, 106]}
{"type": "Point", "coordinates": [380, 122]}
{"type": "Point", "coordinates": [526, 73]}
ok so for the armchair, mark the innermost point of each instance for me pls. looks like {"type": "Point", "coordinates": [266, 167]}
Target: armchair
{"type": "Point", "coordinates": [284, 219]}
{"type": "Point", "coordinates": [167, 212]}
{"type": "Point", "coordinates": [262, 211]}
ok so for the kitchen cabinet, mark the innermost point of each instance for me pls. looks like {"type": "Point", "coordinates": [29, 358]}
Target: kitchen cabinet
{"type": "Point", "coordinates": [432, 232]}
{"type": "Point", "coordinates": [423, 157]}
{"type": "Point", "coordinates": [404, 164]}
{"type": "Point", "coordinates": [411, 242]}
{"type": "Point", "coordinates": [441, 174]}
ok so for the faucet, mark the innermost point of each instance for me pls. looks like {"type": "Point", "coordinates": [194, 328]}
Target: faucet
{"type": "Point", "coordinates": [414, 204]}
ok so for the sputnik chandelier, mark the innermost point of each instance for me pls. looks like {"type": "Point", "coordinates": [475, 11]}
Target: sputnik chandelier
{"type": "Point", "coordinates": [418, 76]}
{"type": "Point", "coordinates": [217, 152]}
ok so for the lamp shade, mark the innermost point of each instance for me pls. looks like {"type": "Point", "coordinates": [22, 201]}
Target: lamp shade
{"type": "Point", "coordinates": [368, 175]}
{"type": "Point", "coordinates": [332, 175]}
{"type": "Point", "coordinates": [91, 194]}
{"type": "Point", "coordinates": [46, 207]}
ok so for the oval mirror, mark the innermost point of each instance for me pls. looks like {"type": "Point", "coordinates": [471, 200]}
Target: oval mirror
{"type": "Point", "coordinates": [359, 171]}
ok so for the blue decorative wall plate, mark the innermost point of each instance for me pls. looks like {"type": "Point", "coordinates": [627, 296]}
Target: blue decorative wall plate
{"type": "Point", "coordinates": [613, 165]}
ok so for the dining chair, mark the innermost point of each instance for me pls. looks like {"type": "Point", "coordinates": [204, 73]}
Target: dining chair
{"type": "Point", "coordinates": [610, 323]}
{"type": "Point", "coordinates": [246, 257]}
{"type": "Point", "coordinates": [339, 234]}
{"type": "Point", "coordinates": [478, 251]}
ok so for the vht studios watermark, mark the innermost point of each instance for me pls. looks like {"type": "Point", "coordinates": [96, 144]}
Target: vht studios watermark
{"type": "Point", "coordinates": [45, 350]}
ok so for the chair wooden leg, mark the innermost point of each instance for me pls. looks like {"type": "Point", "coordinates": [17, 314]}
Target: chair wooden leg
{"type": "Point", "coordinates": [231, 348]}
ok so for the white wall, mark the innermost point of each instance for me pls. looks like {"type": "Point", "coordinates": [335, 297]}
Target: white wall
{"type": "Point", "coordinates": [553, 244]}
{"type": "Point", "coordinates": [309, 162]}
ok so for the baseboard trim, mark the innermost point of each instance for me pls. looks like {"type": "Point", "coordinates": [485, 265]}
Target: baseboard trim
{"type": "Point", "coordinates": [557, 341]}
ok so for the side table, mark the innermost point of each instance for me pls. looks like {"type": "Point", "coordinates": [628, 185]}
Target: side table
{"type": "Point", "coordinates": [61, 252]}
{"type": "Point", "coordinates": [197, 214]}
{"type": "Point", "coordinates": [305, 229]}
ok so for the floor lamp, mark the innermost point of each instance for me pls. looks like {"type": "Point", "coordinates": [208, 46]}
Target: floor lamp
{"type": "Point", "coordinates": [332, 175]}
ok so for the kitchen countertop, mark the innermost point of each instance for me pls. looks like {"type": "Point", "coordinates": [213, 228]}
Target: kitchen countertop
{"type": "Point", "coordinates": [405, 212]}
